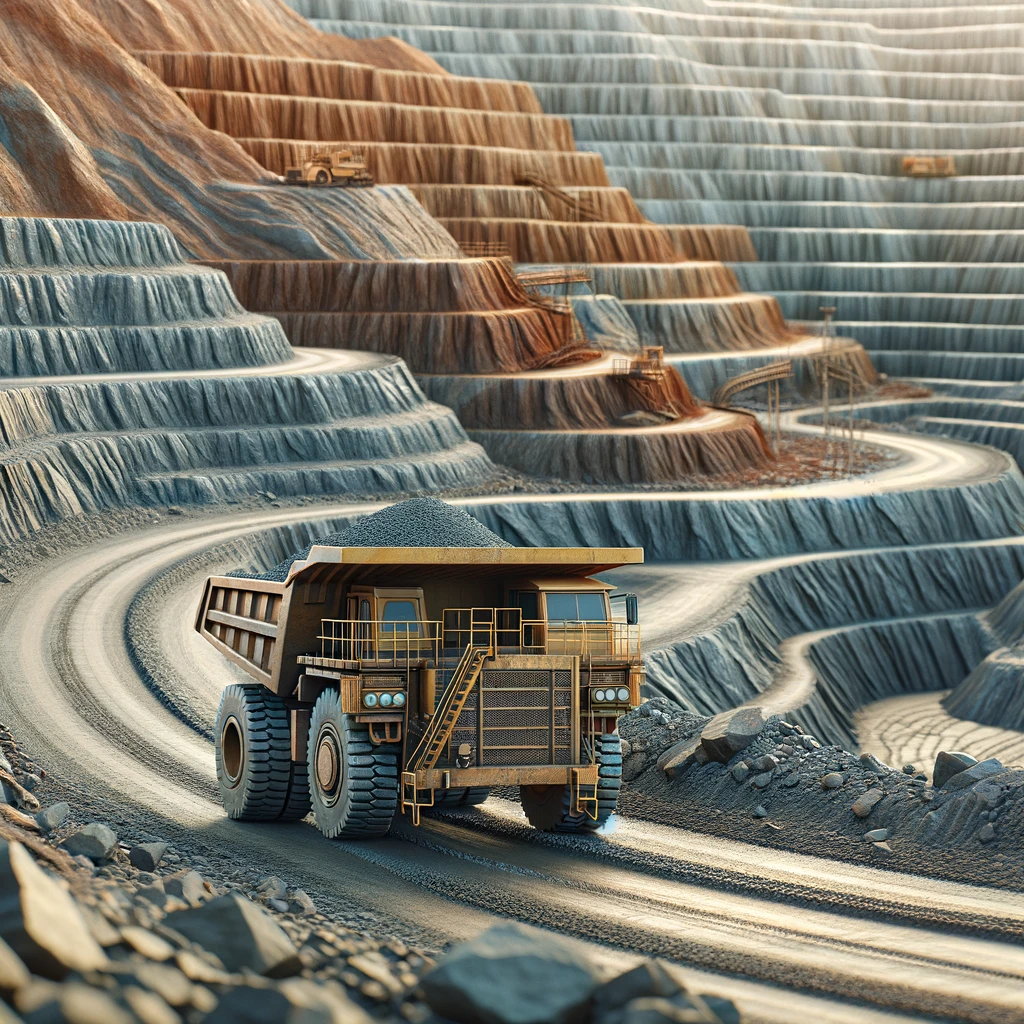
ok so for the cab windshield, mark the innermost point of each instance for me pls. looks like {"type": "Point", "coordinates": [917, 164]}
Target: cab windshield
{"type": "Point", "coordinates": [576, 608]}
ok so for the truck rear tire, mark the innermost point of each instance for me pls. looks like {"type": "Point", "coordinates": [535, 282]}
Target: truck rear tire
{"type": "Point", "coordinates": [352, 781]}
{"type": "Point", "coordinates": [322, 177]}
{"type": "Point", "coordinates": [253, 750]}
{"type": "Point", "coordinates": [549, 808]}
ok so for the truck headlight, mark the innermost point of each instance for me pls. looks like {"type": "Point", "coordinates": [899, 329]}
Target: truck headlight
{"type": "Point", "coordinates": [399, 700]}
{"type": "Point", "coordinates": [599, 695]}
{"type": "Point", "coordinates": [370, 700]}
{"type": "Point", "coordinates": [623, 693]}
{"type": "Point", "coordinates": [385, 700]}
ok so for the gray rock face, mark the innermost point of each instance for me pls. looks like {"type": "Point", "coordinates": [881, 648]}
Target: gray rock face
{"type": "Point", "coordinates": [729, 733]}
{"type": "Point", "coordinates": [976, 773]}
{"type": "Point", "coordinates": [147, 856]}
{"type": "Point", "coordinates": [949, 763]}
{"type": "Point", "coordinates": [39, 920]}
{"type": "Point", "coordinates": [95, 841]}
{"type": "Point", "coordinates": [243, 935]}
{"type": "Point", "coordinates": [511, 975]}
{"type": "Point", "coordinates": [52, 817]}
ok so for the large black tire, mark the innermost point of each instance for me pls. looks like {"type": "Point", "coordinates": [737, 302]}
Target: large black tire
{"type": "Point", "coordinates": [322, 177]}
{"type": "Point", "coordinates": [549, 808]}
{"type": "Point", "coordinates": [253, 749]}
{"type": "Point", "coordinates": [353, 782]}
{"type": "Point", "coordinates": [449, 799]}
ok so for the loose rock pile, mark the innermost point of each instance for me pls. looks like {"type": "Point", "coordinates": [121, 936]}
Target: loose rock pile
{"type": "Point", "coordinates": [94, 930]}
{"type": "Point", "coordinates": [743, 770]}
{"type": "Point", "coordinates": [418, 522]}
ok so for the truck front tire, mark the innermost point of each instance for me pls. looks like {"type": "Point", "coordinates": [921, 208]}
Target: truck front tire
{"type": "Point", "coordinates": [353, 782]}
{"type": "Point", "coordinates": [550, 808]}
{"type": "Point", "coordinates": [257, 778]}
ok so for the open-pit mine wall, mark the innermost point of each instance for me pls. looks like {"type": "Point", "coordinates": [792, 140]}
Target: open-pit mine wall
{"type": "Point", "coordinates": [89, 309]}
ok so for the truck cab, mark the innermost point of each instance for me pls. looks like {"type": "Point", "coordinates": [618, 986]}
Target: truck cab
{"type": "Point", "coordinates": [463, 668]}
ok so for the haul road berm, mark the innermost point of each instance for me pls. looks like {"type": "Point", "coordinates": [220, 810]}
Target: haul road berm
{"type": "Point", "coordinates": [390, 678]}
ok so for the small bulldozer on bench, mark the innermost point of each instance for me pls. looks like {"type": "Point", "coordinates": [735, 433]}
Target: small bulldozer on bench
{"type": "Point", "coordinates": [342, 167]}
{"type": "Point", "coordinates": [411, 678]}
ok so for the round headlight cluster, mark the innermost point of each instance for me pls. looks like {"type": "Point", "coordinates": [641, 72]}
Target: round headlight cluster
{"type": "Point", "coordinates": [384, 700]}
{"type": "Point", "coordinates": [622, 693]}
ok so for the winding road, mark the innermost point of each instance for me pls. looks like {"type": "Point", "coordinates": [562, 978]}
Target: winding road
{"type": "Point", "coordinates": [858, 944]}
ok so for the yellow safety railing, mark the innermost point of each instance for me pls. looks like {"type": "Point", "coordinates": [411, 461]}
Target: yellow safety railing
{"type": "Point", "coordinates": [502, 630]}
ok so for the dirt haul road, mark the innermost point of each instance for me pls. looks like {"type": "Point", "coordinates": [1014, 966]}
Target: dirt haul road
{"type": "Point", "coordinates": [75, 697]}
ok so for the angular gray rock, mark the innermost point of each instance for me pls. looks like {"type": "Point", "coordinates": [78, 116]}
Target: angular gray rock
{"type": "Point", "coordinates": [674, 761]}
{"type": "Point", "coordinates": [949, 763]}
{"type": "Point", "coordinates": [242, 935]}
{"type": "Point", "coordinates": [765, 763]}
{"type": "Point", "coordinates": [147, 856]}
{"type": "Point", "coordinates": [865, 803]}
{"type": "Point", "coordinates": [732, 731]}
{"type": "Point", "coordinates": [95, 841]}
{"type": "Point", "coordinates": [760, 811]}
{"type": "Point", "coordinates": [987, 832]}
{"type": "Point", "coordinates": [40, 921]}
{"type": "Point", "coordinates": [761, 780]}
{"type": "Point", "coordinates": [51, 818]}
{"type": "Point", "coordinates": [187, 885]}
{"type": "Point", "coordinates": [877, 835]}
{"type": "Point", "coordinates": [511, 974]}
{"type": "Point", "coordinates": [740, 771]}
{"type": "Point", "coordinates": [976, 773]}
{"type": "Point", "coordinates": [650, 978]}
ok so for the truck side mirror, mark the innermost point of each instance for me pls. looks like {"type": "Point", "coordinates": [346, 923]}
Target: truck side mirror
{"type": "Point", "coordinates": [632, 610]}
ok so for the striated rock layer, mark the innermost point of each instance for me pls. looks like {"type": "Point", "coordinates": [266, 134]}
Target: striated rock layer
{"type": "Point", "coordinates": [87, 308]}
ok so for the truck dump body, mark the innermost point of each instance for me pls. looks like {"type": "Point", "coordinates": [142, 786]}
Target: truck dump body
{"type": "Point", "coordinates": [475, 667]}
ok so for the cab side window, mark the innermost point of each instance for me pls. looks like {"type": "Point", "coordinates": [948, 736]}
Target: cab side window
{"type": "Point", "coordinates": [399, 616]}
{"type": "Point", "coordinates": [576, 608]}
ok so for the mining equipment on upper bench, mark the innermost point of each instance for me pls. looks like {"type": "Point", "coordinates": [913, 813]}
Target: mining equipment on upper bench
{"type": "Point", "coordinates": [340, 168]}
{"type": "Point", "coordinates": [420, 677]}
{"type": "Point", "coordinates": [929, 166]}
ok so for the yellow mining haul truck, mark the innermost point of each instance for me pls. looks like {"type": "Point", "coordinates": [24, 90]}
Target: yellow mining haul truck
{"type": "Point", "coordinates": [342, 167]}
{"type": "Point", "coordinates": [411, 678]}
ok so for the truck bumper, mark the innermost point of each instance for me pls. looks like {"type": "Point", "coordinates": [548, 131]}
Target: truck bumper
{"type": "Point", "coordinates": [456, 778]}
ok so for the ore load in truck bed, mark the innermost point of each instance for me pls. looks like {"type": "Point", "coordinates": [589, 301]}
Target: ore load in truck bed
{"type": "Point", "coordinates": [416, 523]}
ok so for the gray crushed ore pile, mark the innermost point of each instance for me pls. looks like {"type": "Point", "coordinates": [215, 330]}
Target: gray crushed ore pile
{"type": "Point", "coordinates": [416, 523]}
{"type": "Point", "coordinates": [95, 930]}
{"type": "Point", "coordinates": [764, 780]}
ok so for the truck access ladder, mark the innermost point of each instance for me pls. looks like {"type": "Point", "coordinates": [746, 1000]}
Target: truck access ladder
{"type": "Point", "coordinates": [432, 742]}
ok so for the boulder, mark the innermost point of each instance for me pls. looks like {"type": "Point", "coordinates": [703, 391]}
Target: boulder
{"type": "Point", "coordinates": [976, 773]}
{"type": "Point", "coordinates": [674, 761]}
{"type": "Point", "coordinates": [187, 885]}
{"type": "Point", "coordinates": [881, 850]}
{"type": "Point", "coordinates": [740, 771]}
{"type": "Point", "coordinates": [729, 733]}
{"type": "Point", "coordinates": [147, 856]}
{"type": "Point", "coordinates": [760, 811]}
{"type": "Point", "coordinates": [761, 780]}
{"type": "Point", "coordinates": [865, 803]}
{"type": "Point", "coordinates": [95, 841]}
{"type": "Point", "coordinates": [876, 835]}
{"type": "Point", "coordinates": [987, 832]}
{"type": "Point", "coordinates": [650, 978]}
{"type": "Point", "coordinates": [949, 763]}
{"type": "Point", "coordinates": [511, 974]}
{"type": "Point", "coordinates": [51, 818]}
{"type": "Point", "coordinates": [833, 780]}
{"type": "Point", "coordinates": [40, 921]}
{"type": "Point", "coordinates": [765, 763]}
{"type": "Point", "coordinates": [242, 934]}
